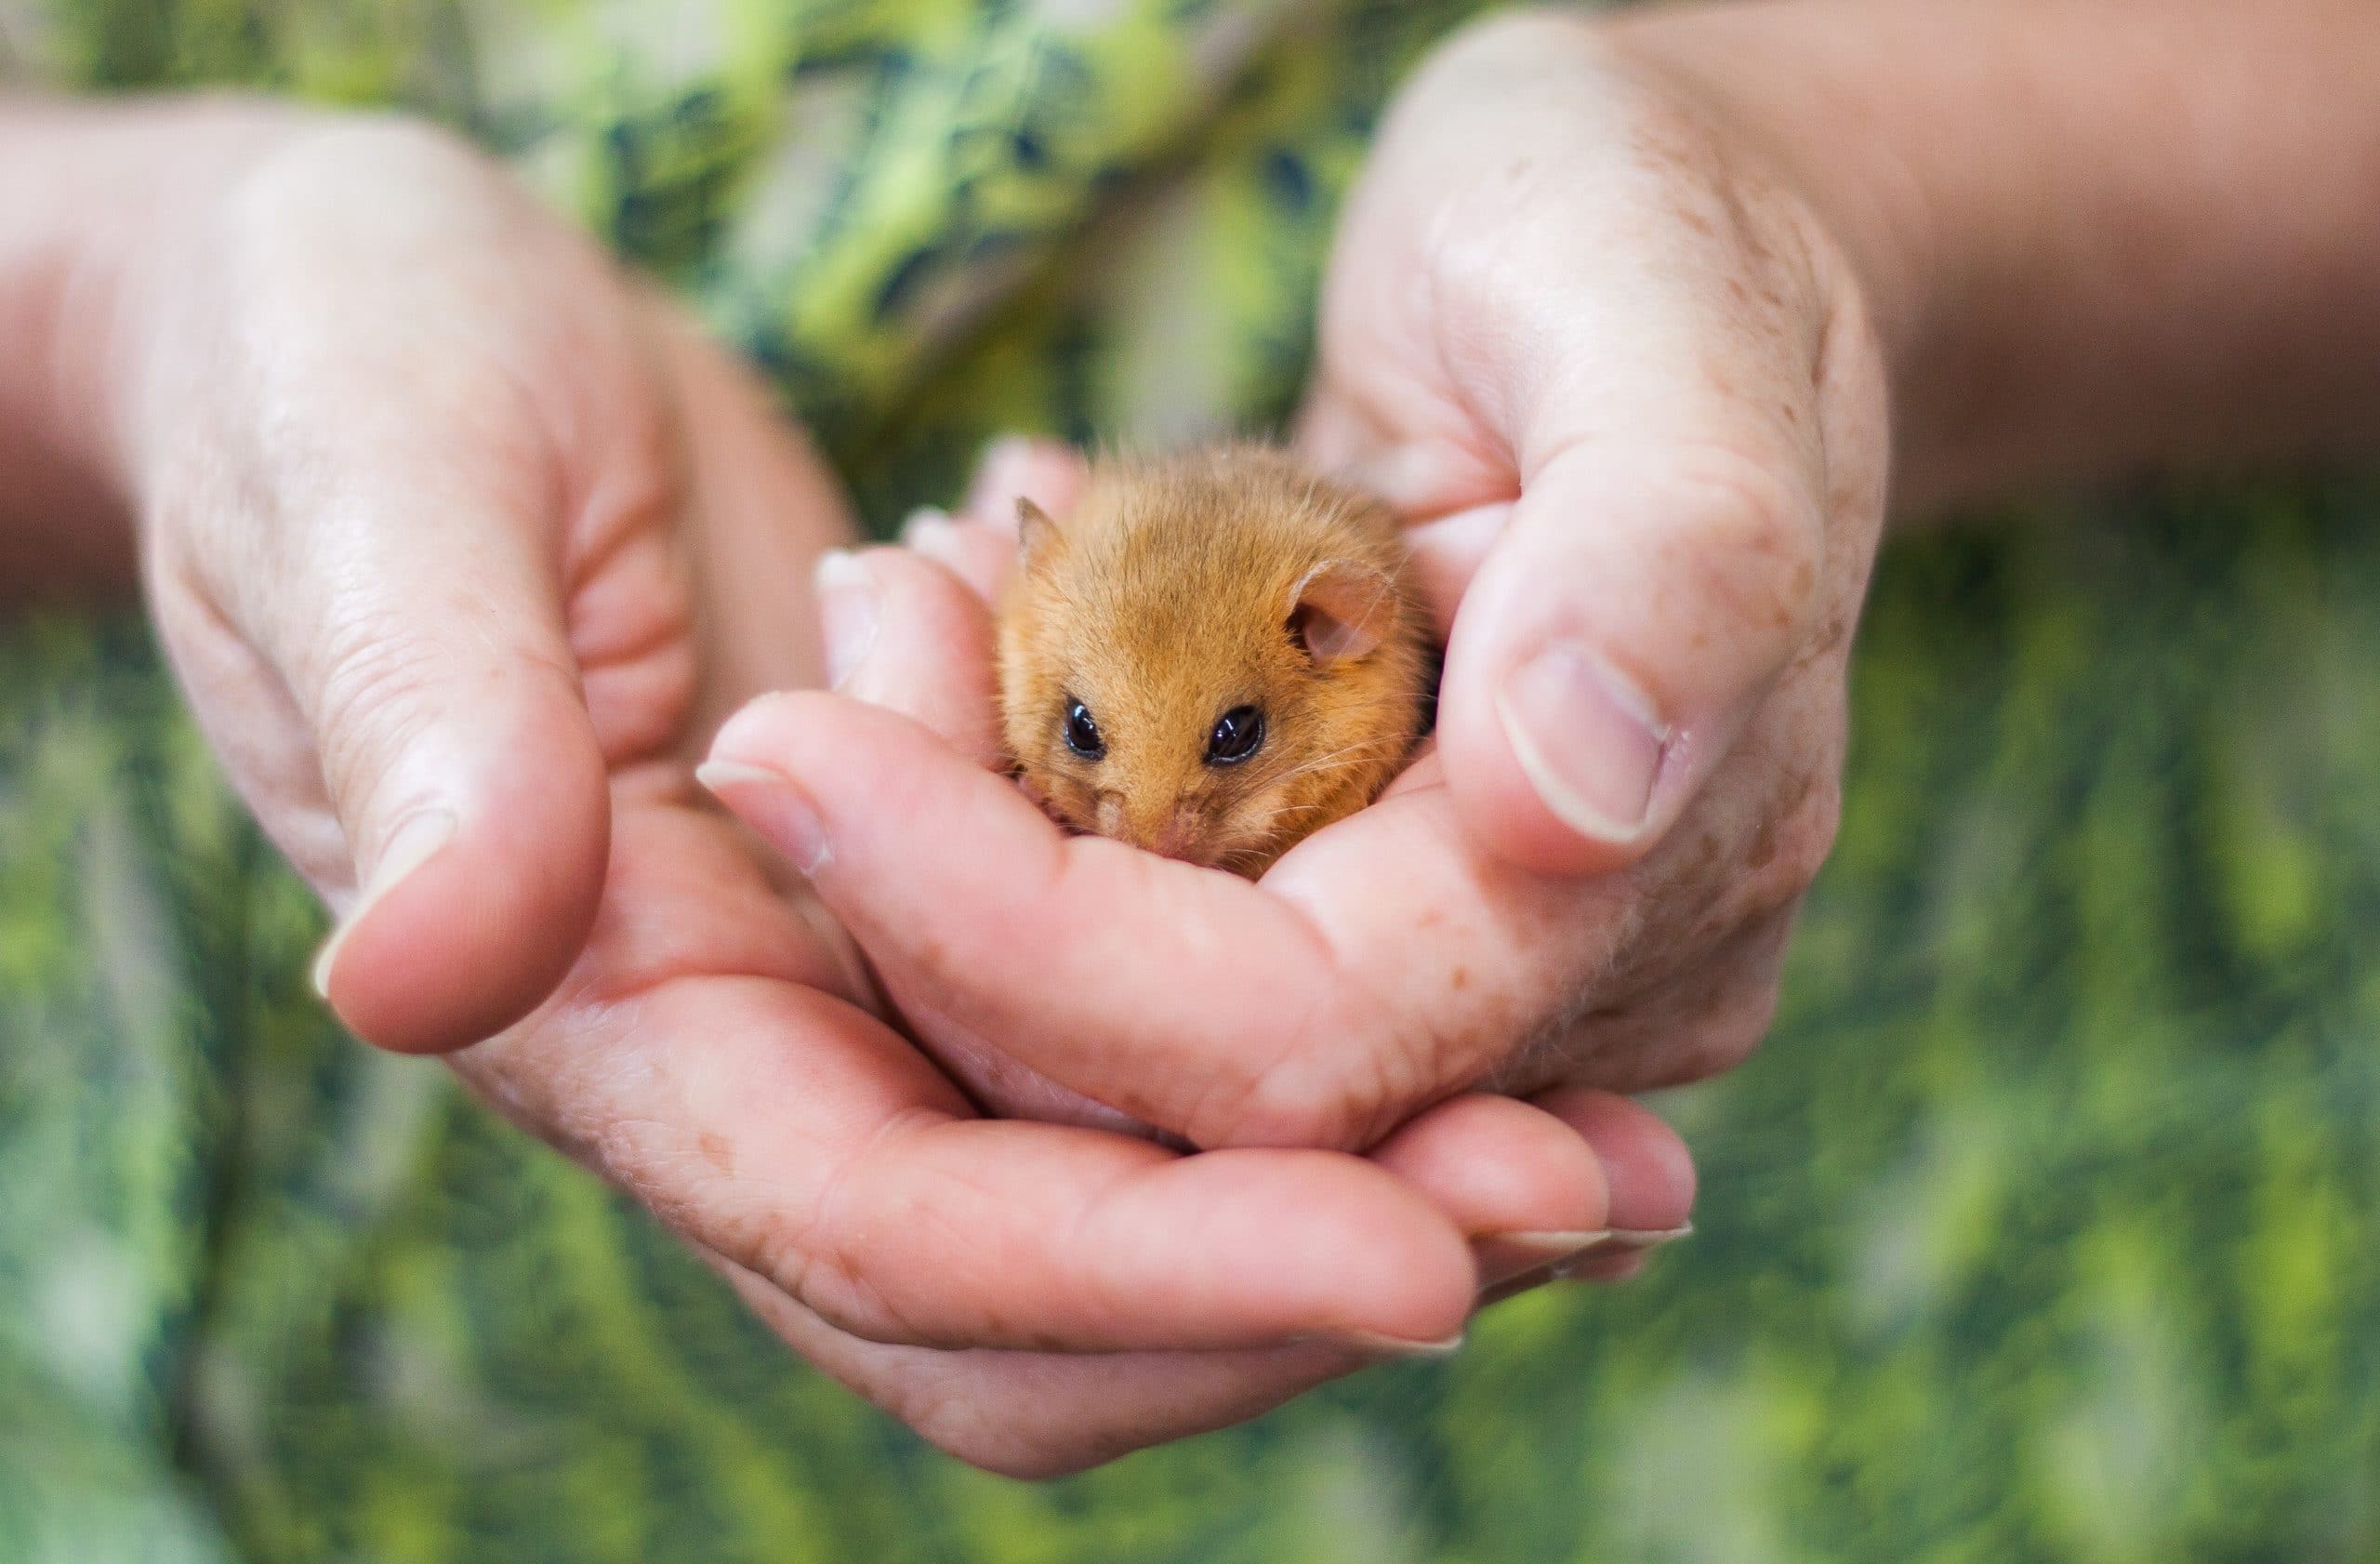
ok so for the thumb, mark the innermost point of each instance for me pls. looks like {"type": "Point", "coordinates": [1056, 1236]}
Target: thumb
{"type": "Point", "coordinates": [1630, 614]}
{"type": "Point", "coordinates": [430, 665]}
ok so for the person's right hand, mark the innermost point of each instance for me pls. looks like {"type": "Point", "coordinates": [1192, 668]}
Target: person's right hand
{"type": "Point", "coordinates": [1619, 376]}
{"type": "Point", "coordinates": [459, 544]}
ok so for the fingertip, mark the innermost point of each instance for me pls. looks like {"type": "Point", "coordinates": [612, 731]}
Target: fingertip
{"type": "Point", "coordinates": [1048, 472]}
{"type": "Point", "coordinates": [932, 657]}
{"type": "Point", "coordinates": [978, 555]}
{"type": "Point", "coordinates": [1493, 1165]}
{"type": "Point", "coordinates": [1361, 1257]}
{"type": "Point", "coordinates": [1503, 810]}
{"type": "Point", "coordinates": [1612, 645]}
{"type": "Point", "coordinates": [480, 910]}
{"type": "Point", "coordinates": [1557, 762]}
{"type": "Point", "coordinates": [754, 729]}
{"type": "Point", "coordinates": [1647, 1167]}
{"type": "Point", "coordinates": [881, 794]}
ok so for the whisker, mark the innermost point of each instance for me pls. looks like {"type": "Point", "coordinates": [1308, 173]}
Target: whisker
{"type": "Point", "coordinates": [1340, 755]}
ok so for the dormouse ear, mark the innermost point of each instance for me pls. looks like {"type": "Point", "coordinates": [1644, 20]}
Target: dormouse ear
{"type": "Point", "coordinates": [1343, 608]}
{"type": "Point", "coordinates": [1037, 535]}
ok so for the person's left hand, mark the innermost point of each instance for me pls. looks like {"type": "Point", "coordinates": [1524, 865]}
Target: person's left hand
{"type": "Point", "coordinates": [1624, 379]}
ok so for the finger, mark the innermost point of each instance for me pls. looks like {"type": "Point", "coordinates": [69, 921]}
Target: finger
{"type": "Point", "coordinates": [430, 541]}
{"type": "Point", "coordinates": [1651, 1179]}
{"type": "Point", "coordinates": [1522, 1184]}
{"type": "Point", "coordinates": [1689, 1026]}
{"type": "Point", "coordinates": [897, 1216]}
{"type": "Point", "coordinates": [760, 503]}
{"type": "Point", "coordinates": [924, 649]}
{"type": "Point", "coordinates": [1659, 374]}
{"type": "Point", "coordinates": [1504, 1172]}
{"type": "Point", "coordinates": [807, 1142]}
{"type": "Point", "coordinates": [418, 627]}
{"type": "Point", "coordinates": [906, 633]}
{"type": "Point", "coordinates": [1040, 1415]}
{"type": "Point", "coordinates": [978, 544]}
{"type": "Point", "coordinates": [1048, 472]}
{"type": "Point", "coordinates": [1555, 1188]}
{"type": "Point", "coordinates": [978, 553]}
{"type": "Point", "coordinates": [986, 922]}
{"type": "Point", "coordinates": [1647, 1166]}
{"type": "Point", "coordinates": [1615, 640]}
{"type": "Point", "coordinates": [1297, 1012]}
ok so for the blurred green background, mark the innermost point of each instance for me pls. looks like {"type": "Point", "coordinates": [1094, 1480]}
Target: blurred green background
{"type": "Point", "coordinates": [2038, 1230]}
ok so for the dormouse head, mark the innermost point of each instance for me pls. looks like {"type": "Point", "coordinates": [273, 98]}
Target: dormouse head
{"type": "Point", "coordinates": [1209, 662]}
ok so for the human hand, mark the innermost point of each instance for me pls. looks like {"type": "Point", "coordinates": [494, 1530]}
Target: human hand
{"type": "Point", "coordinates": [458, 542]}
{"type": "Point", "coordinates": [1621, 379]}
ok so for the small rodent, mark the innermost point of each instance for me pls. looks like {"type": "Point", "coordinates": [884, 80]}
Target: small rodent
{"type": "Point", "coordinates": [1213, 656]}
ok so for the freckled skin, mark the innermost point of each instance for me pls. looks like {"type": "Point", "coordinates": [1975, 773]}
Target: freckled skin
{"type": "Point", "coordinates": [1183, 587]}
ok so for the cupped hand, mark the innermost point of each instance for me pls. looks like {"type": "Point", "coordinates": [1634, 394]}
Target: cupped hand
{"type": "Point", "coordinates": [459, 542]}
{"type": "Point", "coordinates": [1579, 332]}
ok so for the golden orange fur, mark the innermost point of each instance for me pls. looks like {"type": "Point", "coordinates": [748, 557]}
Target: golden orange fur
{"type": "Point", "coordinates": [1184, 588]}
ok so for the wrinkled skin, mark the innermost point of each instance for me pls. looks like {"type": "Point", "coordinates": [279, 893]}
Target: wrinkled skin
{"type": "Point", "coordinates": [459, 543]}
{"type": "Point", "coordinates": [1624, 386]}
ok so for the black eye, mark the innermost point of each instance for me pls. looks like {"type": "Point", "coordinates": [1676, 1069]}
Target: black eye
{"type": "Point", "coordinates": [1237, 733]}
{"type": "Point", "coordinates": [1082, 733]}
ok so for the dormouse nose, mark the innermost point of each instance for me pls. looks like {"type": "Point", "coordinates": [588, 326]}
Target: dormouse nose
{"type": "Point", "coordinates": [1178, 832]}
{"type": "Point", "coordinates": [1170, 827]}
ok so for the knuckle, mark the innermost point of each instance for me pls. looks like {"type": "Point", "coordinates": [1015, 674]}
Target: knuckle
{"type": "Point", "coordinates": [1811, 830]}
{"type": "Point", "coordinates": [793, 1251]}
{"type": "Point", "coordinates": [1275, 1104]}
{"type": "Point", "coordinates": [1796, 843]}
{"type": "Point", "coordinates": [369, 707]}
{"type": "Point", "coordinates": [825, 1254]}
{"type": "Point", "coordinates": [1747, 539]}
{"type": "Point", "coordinates": [1732, 1030]}
{"type": "Point", "coordinates": [1508, 46]}
{"type": "Point", "coordinates": [1650, 1048]}
{"type": "Point", "coordinates": [1285, 1103]}
{"type": "Point", "coordinates": [378, 681]}
{"type": "Point", "coordinates": [1314, 1090]}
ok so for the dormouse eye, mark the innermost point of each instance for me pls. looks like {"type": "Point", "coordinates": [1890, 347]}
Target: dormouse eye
{"type": "Point", "coordinates": [1082, 733]}
{"type": "Point", "coordinates": [1238, 733]}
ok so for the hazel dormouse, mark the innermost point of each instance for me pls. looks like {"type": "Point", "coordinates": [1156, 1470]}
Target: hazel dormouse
{"type": "Point", "coordinates": [1213, 656]}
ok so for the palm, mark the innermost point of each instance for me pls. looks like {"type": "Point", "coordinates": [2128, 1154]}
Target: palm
{"type": "Point", "coordinates": [1632, 401]}
{"type": "Point", "coordinates": [717, 1050]}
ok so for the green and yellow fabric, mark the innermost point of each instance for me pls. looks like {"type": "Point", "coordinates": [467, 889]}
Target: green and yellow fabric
{"type": "Point", "coordinates": [2040, 1232]}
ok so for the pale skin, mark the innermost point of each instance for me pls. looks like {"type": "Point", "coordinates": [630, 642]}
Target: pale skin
{"type": "Point", "coordinates": [1687, 285]}
{"type": "Point", "coordinates": [440, 518]}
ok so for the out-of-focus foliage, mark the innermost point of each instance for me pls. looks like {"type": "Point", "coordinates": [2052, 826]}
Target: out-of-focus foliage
{"type": "Point", "coordinates": [2038, 1232]}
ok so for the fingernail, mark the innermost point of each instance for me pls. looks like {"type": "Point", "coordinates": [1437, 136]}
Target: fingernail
{"type": "Point", "coordinates": [1552, 1247]}
{"type": "Point", "coordinates": [771, 804]}
{"type": "Point", "coordinates": [1610, 1256]}
{"type": "Point", "coordinates": [846, 612]}
{"type": "Point", "coordinates": [1549, 1257]}
{"type": "Point", "coordinates": [1000, 473]}
{"type": "Point", "coordinates": [1371, 1344]}
{"type": "Point", "coordinates": [1589, 741]}
{"type": "Point", "coordinates": [1649, 1238]}
{"type": "Point", "coordinates": [1610, 1267]}
{"type": "Point", "coordinates": [1620, 1255]}
{"type": "Point", "coordinates": [919, 519]}
{"type": "Point", "coordinates": [1513, 1286]}
{"type": "Point", "coordinates": [932, 532]}
{"type": "Point", "coordinates": [410, 845]}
